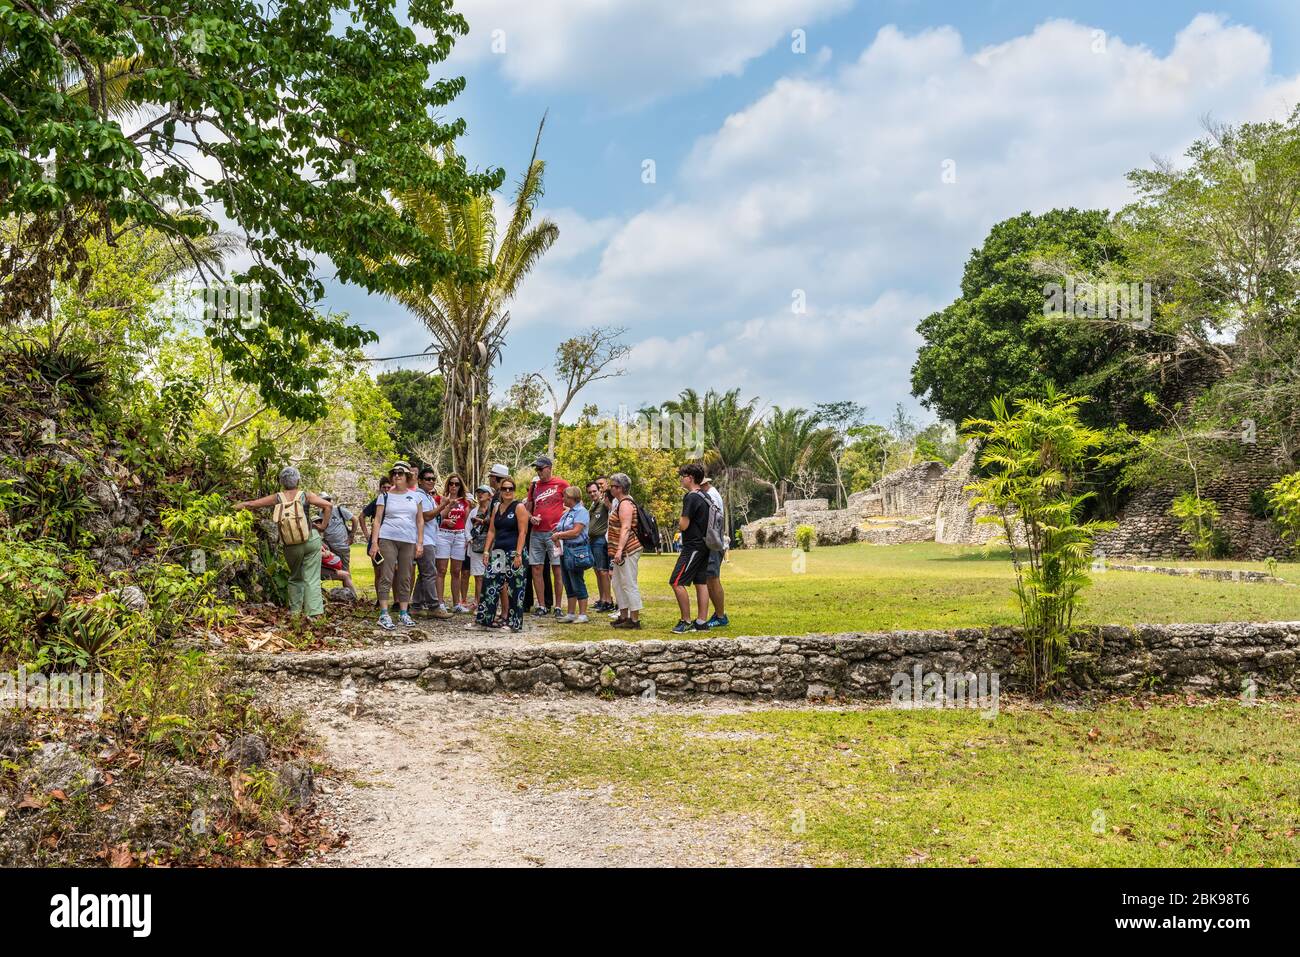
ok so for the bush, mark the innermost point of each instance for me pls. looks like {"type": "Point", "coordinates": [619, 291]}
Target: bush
{"type": "Point", "coordinates": [1036, 461]}
{"type": "Point", "coordinates": [1200, 523]}
{"type": "Point", "coordinates": [1284, 502]}
{"type": "Point", "coordinates": [805, 537]}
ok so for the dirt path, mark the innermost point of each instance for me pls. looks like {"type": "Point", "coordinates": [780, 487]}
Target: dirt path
{"type": "Point", "coordinates": [424, 787]}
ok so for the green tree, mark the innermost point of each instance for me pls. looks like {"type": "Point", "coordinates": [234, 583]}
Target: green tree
{"type": "Point", "coordinates": [1036, 462]}
{"type": "Point", "coordinates": [841, 418]}
{"type": "Point", "coordinates": [582, 452]}
{"type": "Point", "coordinates": [731, 431]}
{"type": "Point", "coordinates": [1222, 236]}
{"type": "Point", "coordinates": [791, 443]}
{"type": "Point", "coordinates": [418, 399]}
{"type": "Point", "coordinates": [995, 340]}
{"type": "Point", "coordinates": [467, 314]}
{"type": "Point", "coordinates": [124, 116]}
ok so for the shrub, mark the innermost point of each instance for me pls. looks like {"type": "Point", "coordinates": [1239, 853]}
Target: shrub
{"type": "Point", "coordinates": [805, 537]}
{"type": "Point", "coordinates": [1035, 462]}
{"type": "Point", "coordinates": [1200, 521]}
{"type": "Point", "coordinates": [1284, 502]}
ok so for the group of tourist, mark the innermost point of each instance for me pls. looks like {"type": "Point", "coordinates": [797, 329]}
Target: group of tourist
{"type": "Point", "coordinates": [427, 542]}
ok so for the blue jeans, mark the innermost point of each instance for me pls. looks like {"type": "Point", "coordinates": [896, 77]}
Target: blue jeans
{"type": "Point", "coordinates": [575, 582]}
{"type": "Point", "coordinates": [600, 553]}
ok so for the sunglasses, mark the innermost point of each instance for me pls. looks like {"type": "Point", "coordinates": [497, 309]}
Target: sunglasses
{"type": "Point", "coordinates": [507, 488]}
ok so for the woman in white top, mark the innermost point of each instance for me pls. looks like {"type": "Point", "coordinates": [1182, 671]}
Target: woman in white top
{"type": "Point", "coordinates": [396, 541]}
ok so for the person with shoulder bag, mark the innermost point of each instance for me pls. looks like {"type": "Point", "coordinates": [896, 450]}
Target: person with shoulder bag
{"type": "Point", "coordinates": [301, 541]}
{"type": "Point", "coordinates": [571, 533]}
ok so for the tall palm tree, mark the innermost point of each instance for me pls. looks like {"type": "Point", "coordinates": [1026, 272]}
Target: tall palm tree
{"type": "Point", "coordinates": [468, 318]}
{"type": "Point", "coordinates": [731, 430]}
{"type": "Point", "coordinates": [791, 439]}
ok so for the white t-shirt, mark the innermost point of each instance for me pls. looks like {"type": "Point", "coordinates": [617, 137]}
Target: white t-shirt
{"type": "Point", "coordinates": [430, 529]}
{"type": "Point", "coordinates": [400, 510]}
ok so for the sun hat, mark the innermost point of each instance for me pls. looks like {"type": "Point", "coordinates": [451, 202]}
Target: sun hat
{"type": "Point", "coordinates": [499, 471]}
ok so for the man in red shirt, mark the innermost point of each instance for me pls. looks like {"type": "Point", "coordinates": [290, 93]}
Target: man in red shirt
{"type": "Point", "coordinates": [545, 505]}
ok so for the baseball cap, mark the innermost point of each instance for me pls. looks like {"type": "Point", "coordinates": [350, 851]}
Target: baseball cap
{"type": "Point", "coordinates": [499, 471]}
{"type": "Point", "coordinates": [708, 480]}
{"type": "Point", "coordinates": [542, 462]}
{"type": "Point", "coordinates": [484, 488]}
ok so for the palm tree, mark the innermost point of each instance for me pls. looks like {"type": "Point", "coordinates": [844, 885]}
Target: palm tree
{"type": "Point", "coordinates": [731, 430]}
{"type": "Point", "coordinates": [790, 440]}
{"type": "Point", "coordinates": [467, 317]}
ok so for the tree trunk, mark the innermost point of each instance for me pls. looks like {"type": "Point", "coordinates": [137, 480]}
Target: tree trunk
{"type": "Point", "coordinates": [465, 416]}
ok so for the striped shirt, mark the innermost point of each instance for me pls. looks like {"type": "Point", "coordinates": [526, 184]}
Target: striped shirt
{"type": "Point", "coordinates": [616, 525]}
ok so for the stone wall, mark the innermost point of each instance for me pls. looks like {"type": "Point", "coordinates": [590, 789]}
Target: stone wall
{"type": "Point", "coordinates": [1210, 658]}
{"type": "Point", "coordinates": [1147, 530]}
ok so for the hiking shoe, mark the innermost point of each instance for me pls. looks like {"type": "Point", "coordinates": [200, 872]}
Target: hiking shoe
{"type": "Point", "coordinates": [385, 622]}
{"type": "Point", "coordinates": [541, 611]}
{"type": "Point", "coordinates": [700, 625]}
{"type": "Point", "coordinates": [440, 613]}
{"type": "Point", "coordinates": [718, 621]}
{"type": "Point", "coordinates": [559, 612]}
{"type": "Point", "coordinates": [628, 623]}
{"type": "Point", "coordinates": [682, 627]}
{"type": "Point", "coordinates": [405, 620]}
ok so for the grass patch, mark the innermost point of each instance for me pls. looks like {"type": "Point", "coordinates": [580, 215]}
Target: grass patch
{"type": "Point", "coordinates": [1125, 785]}
{"type": "Point", "coordinates": [886, 587]}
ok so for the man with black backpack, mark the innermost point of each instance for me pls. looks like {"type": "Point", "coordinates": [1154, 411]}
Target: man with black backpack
{"type": "Point", "coordinates": [693, 560]}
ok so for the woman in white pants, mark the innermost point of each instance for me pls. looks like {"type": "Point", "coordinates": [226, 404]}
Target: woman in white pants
{"type": "Point", "coordinates": [624, 553]}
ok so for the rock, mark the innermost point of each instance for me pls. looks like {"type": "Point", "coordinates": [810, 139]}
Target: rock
{"type": "Point", "coordinates": [297, 782]}
{"type": "Point", "coordinates": [130, 597]}
{"type": "Point", "coordinates": [247, 751]}
{"type": "Point", "coordinates": [57, 767]}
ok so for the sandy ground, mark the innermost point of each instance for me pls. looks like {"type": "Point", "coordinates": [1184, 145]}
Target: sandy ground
{"type": "Point", "coordinates": [424, 786]}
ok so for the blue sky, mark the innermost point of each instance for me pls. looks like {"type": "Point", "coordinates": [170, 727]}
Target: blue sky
{"type": "Point", "coordinates": [819, 175]}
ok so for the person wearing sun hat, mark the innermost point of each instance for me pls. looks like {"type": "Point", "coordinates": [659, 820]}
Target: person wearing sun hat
{"type": "Point", "coordinates": [397, 536]}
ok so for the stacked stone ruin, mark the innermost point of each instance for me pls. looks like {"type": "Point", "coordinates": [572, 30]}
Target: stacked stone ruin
{"type": "Point", "coordinates": [925, 502]}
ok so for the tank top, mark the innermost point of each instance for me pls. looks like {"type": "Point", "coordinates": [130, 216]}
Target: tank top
{"type": "Point", "coordinates": [616, 529]}
{"type": "Point", "coordinates": [506, 526]}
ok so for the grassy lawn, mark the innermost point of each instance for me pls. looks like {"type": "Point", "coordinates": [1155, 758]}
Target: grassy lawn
{"type": "Point", "coordinates": [1124, 785]}
{"type": "Point", "coordinates": [878, 588]}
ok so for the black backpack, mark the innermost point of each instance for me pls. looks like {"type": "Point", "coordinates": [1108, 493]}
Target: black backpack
{"type": "Point", "coordinates": [647, 529]}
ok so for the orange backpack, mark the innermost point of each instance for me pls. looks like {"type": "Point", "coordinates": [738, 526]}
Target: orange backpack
{"type": "Point", "coordinates": [291, 519]}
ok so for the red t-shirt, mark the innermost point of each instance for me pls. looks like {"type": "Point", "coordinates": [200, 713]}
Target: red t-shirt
{"type": "Point", "coordinates": [546, 501]}
{"type": "Point", "coordinates": [455, 518]}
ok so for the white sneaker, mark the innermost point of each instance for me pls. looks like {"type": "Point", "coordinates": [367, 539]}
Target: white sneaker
{"type": "Point", "coordinates": [461, 609]}
{"type": "Point", "coordinates": [567, 619]}
{"type": "Point", "coordinates": [581, 620]}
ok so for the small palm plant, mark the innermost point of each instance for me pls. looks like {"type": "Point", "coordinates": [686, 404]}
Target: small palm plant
{"type": "Point", "coordinates": [1035, 460]}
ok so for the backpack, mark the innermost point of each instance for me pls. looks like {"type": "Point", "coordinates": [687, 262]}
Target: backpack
{"type": "Point", "coordinates": [647, 529]}
{"type": "Point", "coordinates": [291, 519]}
{"type": "Point", "coordinates": [715, 536]}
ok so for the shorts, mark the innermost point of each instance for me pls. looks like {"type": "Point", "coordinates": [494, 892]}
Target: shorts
{"type": "Point", "coordinates": [449, 544]}
{"type": "Point", "coordinates": [692, 567]}
{"type": "Point", "coordinates": [600, 554]}
{"type": "Point", "coordinates": [477, 566]}
{"type": "Point", "coordinates": [714, 568]}
{"type": "Point", "coordinates": [539, 549]}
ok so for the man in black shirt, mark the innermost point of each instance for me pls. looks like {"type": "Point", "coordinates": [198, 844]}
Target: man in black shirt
{"type": "Point", "coordinates": [693, 560]}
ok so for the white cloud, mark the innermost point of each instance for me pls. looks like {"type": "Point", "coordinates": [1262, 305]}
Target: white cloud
{"type": "Point", "coordinates": [833, 185]}
{"type": "Point", "coordinates": [628, 51]}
